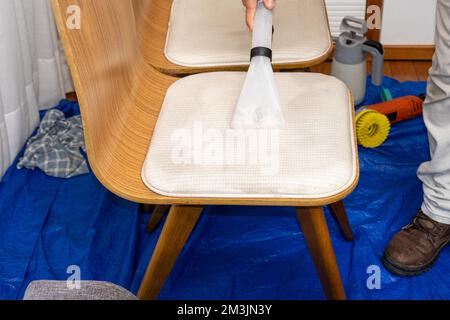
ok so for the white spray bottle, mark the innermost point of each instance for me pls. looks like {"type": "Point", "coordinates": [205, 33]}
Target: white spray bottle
{"type": "Point", "coordinates": [350, 62]}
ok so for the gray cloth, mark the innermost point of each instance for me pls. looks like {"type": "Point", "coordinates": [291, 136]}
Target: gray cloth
{"type": "Point", "coordinates": [435, 174]}
{"type": "Point", "coordinates": [89, 290]}
{"type": "Point", "coordinates": [55, 149]}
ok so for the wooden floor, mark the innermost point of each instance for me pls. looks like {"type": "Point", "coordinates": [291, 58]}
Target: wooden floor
{"type": "Point", "coordinates": [400, 70]}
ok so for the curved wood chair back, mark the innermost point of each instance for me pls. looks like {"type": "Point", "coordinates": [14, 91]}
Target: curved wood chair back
{"type": "Point", "coordinates": [119, 94]}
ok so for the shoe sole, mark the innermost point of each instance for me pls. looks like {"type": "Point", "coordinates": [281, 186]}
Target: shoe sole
{"type": "Point", "coordinates": [405, 271]}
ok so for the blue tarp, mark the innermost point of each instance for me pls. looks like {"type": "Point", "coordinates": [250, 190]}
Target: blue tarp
{"type": "Point", "coordinates": [48, 224]}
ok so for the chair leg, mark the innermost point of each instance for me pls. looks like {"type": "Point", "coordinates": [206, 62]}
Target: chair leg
{"type": "Point", "coordinates": [314, 226]}
{"type": "Point", "coordinates": [146, 208]}
{"type": "Point", "coordinates": [340, 215]}
{"type": "Point", "coordinates": [179, 225]}
{"type": "Point", "coordinates": [156, 217]}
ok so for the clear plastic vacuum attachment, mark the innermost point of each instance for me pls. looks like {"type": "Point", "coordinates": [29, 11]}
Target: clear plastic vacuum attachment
{"type": "Point", "coordinates": [259, 103]}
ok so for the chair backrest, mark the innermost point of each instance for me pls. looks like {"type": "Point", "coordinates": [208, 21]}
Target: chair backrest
{"type": "Point", "coordinates": [104, 58]}
{"type": "Point", "coordinates": [119, 94]}
{"type": "Point", "coordinates": [141, 10]}
{"type": "Point", "coordinates": [152, 18]}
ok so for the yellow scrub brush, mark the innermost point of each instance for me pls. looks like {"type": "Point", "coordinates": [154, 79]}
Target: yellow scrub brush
{"type": "Point", "coordinates": [373, 123]}
{"type": "Point", "coordinates": [372, 128]}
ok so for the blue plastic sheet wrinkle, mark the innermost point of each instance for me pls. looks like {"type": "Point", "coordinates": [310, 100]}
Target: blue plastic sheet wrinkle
{"type": "Point", "coordinates": [49, 224]}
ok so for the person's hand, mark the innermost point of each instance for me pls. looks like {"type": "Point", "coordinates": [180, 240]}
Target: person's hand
{"type": "Point", "coordinates": [250, 5]}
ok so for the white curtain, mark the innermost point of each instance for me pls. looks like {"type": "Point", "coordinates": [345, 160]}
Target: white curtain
{"type": "Point", "coordinates": [33, 73]}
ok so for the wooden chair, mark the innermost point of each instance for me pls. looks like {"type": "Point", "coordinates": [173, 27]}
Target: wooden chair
{"type": "Point", "coordinates": [120, 97]}
{"type": "Point", "coordinates": [153, 18]}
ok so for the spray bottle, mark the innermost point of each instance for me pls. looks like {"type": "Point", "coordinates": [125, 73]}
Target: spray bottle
{"type": "Point", "coordinates": [350, 62]}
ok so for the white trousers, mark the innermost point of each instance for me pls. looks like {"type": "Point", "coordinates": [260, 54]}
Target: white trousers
{"type": "Point", "coordinates": [435, 174]}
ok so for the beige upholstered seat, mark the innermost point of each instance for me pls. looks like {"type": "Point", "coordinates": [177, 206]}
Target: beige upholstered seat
{"type": "Point", "coordinates": [212, 33]}
{"type": "Point", "coordinates": [194, 153]}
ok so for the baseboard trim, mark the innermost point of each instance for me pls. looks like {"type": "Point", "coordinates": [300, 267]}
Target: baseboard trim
{"type": "Point", "coordinates": [404, 52]}
{"type": "Point", "coordinates": [409, 52]}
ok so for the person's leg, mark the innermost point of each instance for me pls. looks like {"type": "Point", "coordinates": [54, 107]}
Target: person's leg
{"type": "Point", "coordinates": [435, 174]}
{"type": "Point", "coordinates": [416, 247]}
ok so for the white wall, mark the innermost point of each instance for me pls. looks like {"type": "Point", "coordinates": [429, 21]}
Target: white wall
{"type": "Point", "coordinates": [408, 22]}
{"type": "Point", "coordinates": [405, 22]}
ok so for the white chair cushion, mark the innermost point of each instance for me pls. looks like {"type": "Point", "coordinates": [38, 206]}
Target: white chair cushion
{"type": "Point", "coordinates": [209, 33]}
{"type": "Point", "coordinates": [194, 153]}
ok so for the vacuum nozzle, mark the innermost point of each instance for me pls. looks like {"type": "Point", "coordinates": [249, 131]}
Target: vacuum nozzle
{"type": "Point", "coordinates": [259, 103]}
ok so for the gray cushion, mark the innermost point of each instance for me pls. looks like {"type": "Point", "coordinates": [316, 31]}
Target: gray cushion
{"type": "Point", "coordinates": [89, 290]}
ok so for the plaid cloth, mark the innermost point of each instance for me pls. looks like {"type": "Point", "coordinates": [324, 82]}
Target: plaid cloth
{"type": "Point", "coordinates": [55, 149]}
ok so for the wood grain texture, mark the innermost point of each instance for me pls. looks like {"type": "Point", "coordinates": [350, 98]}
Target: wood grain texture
{"type": "Point", "coordinates": [400, 70]}
{"type": "Point", "coordinates": [179, 225]}
{"type": "Point", "coordinates": [403, 71]}
{"type": "Point", "coordinates": [120, 97]}
{"type": "Point", "coordinates": [422, 70]}
{"type": "Point", "coordinates": [315, 229]}
{"type": "Point", "coordinates": [409, 52]}
{"type": "Point", "coordinates": [153, 17]}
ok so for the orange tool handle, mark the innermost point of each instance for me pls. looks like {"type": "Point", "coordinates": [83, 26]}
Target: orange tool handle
{"type": "Point", "coordinates": [400, 109]}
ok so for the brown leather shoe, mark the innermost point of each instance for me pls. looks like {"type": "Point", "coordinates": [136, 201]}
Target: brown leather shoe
{"type": "Point", "coordinates": [416, 247]}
